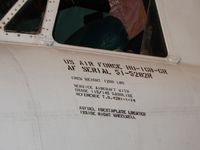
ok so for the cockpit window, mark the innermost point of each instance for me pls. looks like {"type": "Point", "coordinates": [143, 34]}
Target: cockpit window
{"type": "Point", "coordinates": [5, 6]}
{"type": "Point", "coordinates": [29, 18]}
{"type": "Point", "coordinates": [130, 26]}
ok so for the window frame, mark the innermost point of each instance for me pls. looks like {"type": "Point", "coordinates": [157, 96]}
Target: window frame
{"type": "Point", "coordinates": [45, 37]}
{"type": "Point", "coordinates": [116, 52]}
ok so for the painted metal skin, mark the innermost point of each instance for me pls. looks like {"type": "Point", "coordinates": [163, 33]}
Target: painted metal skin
{"type": "Point", "coordinates": [41, 110]}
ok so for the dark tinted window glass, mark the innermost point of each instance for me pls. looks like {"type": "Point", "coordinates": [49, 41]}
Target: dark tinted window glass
{"type": "Point", "coordinates": [29, 18]}
{"type": "Point", "coordinates": [153, 39]}
{"type": "Point", "coordinates": [130, 26]}
{"type": "Point", "coordinates": [5, 6]}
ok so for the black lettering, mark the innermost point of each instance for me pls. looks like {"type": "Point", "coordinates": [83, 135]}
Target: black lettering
{"type": "Point", "coordinates": [79, 94]}
{"type": "Point", "coordinates": [71, 68]}
{"type": "Point", "coordinates": [130, 67]}
{"type": "Point", "coordinates": [104, 114]}
{"type": "Point", "coordinates": [123, 116]}
{"type": "Point", "coordinates": [86, 63]}
{"type": "Point", "coordinates": [95, 70]}
{"type": "Point", "coordinates": [87, 112]}
{"type": "Point", "coordinates": [81, 63]}
{"type": "Point", "coordinates": [76, 78]}
{"type": "Point", "coordinates": [162, 71]}
{"type": "Point", "coordinates": [68, 61]}
{"type": "Point", "coordinates": [91, 95]}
